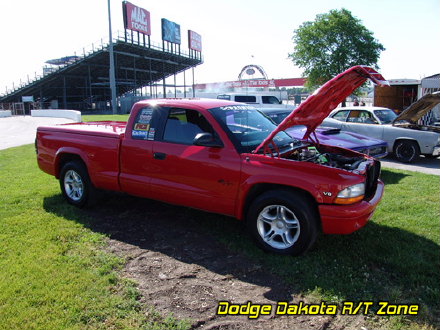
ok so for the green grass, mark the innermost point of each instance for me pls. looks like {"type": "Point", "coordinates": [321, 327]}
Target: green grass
{"type": "Point", "coordinates": [55, 273]}
{"type": "Point", "coordinates": [395, 258]}
{"type": "Point", "coordinates": [105, 117]}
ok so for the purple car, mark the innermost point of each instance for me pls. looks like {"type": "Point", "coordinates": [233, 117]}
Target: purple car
{"type": "Point", "coordinates": [333, 136]}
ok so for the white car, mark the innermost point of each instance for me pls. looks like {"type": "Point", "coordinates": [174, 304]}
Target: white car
{"type": "Point", "coordinates": [405, 138]}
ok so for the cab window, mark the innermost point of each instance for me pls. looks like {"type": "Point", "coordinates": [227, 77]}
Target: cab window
{"type": "Point", "coordinates": [183, 125]}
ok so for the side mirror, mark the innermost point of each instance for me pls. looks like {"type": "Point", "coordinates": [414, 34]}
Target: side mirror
{"type": "Point", "coordinates": [207, 140]}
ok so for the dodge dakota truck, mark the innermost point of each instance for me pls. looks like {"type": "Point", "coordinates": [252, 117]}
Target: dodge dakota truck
{"type": "Point", "coordinates": [227, 158]}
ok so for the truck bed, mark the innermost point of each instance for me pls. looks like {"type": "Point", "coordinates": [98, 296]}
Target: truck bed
{"type": "Point", "coordinates": [95, 128]}
{"type": "Point", "coordinates": [96, 143]}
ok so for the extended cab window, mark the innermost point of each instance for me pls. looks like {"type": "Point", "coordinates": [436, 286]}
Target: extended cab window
{"type": "Point", "coordinates": [142, 129]}
{"type": "Point", "coordinates": [183, 125]}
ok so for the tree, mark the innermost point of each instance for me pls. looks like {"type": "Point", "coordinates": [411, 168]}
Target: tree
{"type": "Point", "coordinates": [334, 42]}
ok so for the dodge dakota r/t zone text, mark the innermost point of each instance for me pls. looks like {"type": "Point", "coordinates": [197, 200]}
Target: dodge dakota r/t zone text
{"type": "Point", "coordinates": [228, 158]}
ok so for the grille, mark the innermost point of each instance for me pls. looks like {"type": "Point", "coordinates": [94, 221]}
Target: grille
{"type": "Point", "coordinates": [373, 173]}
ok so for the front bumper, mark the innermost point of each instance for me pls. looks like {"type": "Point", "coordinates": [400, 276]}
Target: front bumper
{"type": "Point", "coordinates": [345, 219]}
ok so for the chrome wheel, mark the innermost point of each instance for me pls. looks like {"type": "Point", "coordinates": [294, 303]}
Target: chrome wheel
{"type": "Point", "coordinates": [73, 185]}
{"type": "Point", "coordinates": [278, 226]}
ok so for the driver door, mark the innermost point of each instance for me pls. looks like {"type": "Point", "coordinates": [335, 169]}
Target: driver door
{"type": "Point", "coordinates": [196, 176]}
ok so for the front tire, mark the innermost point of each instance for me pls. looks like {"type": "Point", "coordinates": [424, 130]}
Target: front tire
{"type": "Point", "coordinates": [406, 151]}
{"type": "Point", "coordinates": [75, 184]}
{"type": "Point", "coordinates": [282, 222]}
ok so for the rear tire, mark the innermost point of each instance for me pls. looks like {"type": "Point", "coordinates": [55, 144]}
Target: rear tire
{"type": "Point", "coordinates": [283, 222]}
{"type": "Point", "coordinates": [75, 184]}
{"type": "Point", "coordinates": [406, 151]}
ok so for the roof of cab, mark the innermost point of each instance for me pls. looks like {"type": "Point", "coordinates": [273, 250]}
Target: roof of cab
{"type": "Point", "coordinates": [194, 103]}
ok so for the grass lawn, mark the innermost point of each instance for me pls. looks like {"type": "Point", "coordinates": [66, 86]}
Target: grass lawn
{"type": "Point", "coordinates": [55, 273]}
{"type": "Point", "coordinates": [105, 117]}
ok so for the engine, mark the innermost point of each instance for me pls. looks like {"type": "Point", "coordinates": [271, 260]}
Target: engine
{"type": "Point", "coordinates": [313, 155]}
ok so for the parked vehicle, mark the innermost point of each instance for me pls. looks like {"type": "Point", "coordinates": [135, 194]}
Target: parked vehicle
{"type": "Point", "coordinates": [224, 157]}
{"type": "Point", "coordinates": [405, 137]}
{"type": "Point", "coordinates": [259, 100]}
{"type": "Point", "coordinates": [333, 136]}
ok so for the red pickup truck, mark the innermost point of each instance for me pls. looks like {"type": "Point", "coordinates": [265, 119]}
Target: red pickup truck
{"type": "Point", "coordinates": [228, 158]}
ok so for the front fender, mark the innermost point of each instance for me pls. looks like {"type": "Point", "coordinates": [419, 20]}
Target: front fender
{"type": "Point", "coordinates": [320, 183]}
{"type": "Point", "coordinates": [246, 187]}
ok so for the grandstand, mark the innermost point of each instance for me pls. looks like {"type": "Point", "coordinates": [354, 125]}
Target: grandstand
{"type": "Point", "coordinates": [82, 82]}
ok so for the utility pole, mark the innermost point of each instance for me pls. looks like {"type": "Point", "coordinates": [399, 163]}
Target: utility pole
{"type": "Point", "coordinates": [112, 63]}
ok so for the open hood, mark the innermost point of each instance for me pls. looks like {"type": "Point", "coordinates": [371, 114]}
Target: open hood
{"type": "Point", "coordinates": [419, 108]}
{"type": "Point", "coordinates": [318, 106]}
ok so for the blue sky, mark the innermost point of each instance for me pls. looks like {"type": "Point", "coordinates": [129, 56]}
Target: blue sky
{"type": "Point", "coordinates": [234, 33]}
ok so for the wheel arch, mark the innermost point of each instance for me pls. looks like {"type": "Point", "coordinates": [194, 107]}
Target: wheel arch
{"type": "Point", "coordinates": [399, 139]}
{"type": "Point", "coordinates": [260, 188]}
{"type": "Point", "coordinates": [63, 158]}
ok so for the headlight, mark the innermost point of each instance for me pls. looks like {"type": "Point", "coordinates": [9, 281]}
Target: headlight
{"type": "Point", "coordinates": [351, 194]}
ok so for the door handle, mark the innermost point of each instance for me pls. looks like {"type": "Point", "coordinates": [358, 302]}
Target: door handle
{"type": "Point", "coordinates": [159, 155]}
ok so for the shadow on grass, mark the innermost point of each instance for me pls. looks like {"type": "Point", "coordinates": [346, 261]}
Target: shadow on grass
{"type": "Point", "coordinates": [391, 177]}
{"type": "Point", "coordinates": [377, 262]}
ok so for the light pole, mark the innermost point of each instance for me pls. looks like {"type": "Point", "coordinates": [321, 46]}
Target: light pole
{"type": "Point", "coordinates": [112, 63]}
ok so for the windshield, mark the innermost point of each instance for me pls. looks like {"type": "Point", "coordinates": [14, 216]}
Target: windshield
{"type": "Point", "coordinates": [277, 117]}
{"type": "Point", "coordinates": [385, 116]}
{"type": "Point", "coordinates": [247, 127]}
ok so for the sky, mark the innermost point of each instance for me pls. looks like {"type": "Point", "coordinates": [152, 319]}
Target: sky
{"type": "Point", "coordinates": [234, 33]}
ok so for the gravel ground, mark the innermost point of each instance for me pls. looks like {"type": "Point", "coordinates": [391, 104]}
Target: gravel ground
{"type": "Point", "coordinates": [19, 130]}
{"type": "Point", "coordinates": [423, 165]}
{"type": "Point", "coordinates": [181, 269]}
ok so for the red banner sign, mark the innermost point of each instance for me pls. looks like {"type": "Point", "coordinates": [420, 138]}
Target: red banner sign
{"type": "Point", "coordinates": [194, 41]}
{"type": "Point", "coordinates": [136, 18]}
{"type": "Point", "coordinates": [254, 83]}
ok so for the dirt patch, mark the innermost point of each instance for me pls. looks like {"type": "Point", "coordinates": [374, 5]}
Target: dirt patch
{"type": "Point", "coordinates": [181, 268]}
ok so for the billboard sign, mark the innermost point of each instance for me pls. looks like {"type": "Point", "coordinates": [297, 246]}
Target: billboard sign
{"type": "Point", "coordinates": [27, 99]}
{"type": "Point", "coordinates": [136, 18]}
{"type": "Point", "coordinates": [194, 41]}
{"type": "Point", "coordinates": [170, 31]}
